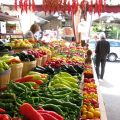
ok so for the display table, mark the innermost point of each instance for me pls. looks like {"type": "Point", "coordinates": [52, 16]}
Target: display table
{"type": "Point", "coordinates": [101, 101]}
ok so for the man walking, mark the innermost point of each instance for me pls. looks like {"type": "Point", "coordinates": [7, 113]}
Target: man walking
{"type": "Point", "coordinates": [102, 50]}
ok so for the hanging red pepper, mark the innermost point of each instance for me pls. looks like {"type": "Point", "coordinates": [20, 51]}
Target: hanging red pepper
{"type": "Point", "coordinates": [64, 6]}
{"type": "Point", "coordinates": [100, 7]}
{"type": "Point", "coordinates": [15, 4]}
{"type": "Point", "coordinates": [21, 5]}
{"type": "Point", "coordinates": [44, 6]}
{"type": "Point", "coordinates": [82, 5]}
{"type": "Point", "coordinates": [60, 5]}
{"type": "Point", "coordinates": [33, 5]}
{"type": "Point", "coordinates": [29, 4]}
{"type": "Point", "coordinates": [90, 7]}
{"type": "Point", "coordinates": [69, 7]}
{"type": "Point", "coordinates": [104, 4]}
{"type": "Point", "coordinates": [96, 7]}
{"type": "Point", "coordinates": [25, 5]}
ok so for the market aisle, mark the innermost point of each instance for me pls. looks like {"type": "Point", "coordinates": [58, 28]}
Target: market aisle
{"type": "Point", "coordinates": [110, 89]}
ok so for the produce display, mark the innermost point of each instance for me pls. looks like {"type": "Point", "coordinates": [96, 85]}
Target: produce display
{"type": "Point", "coordinates": [19, 43]}
{"type": "Point", "coordinates": [63, 89]}
{"type": "Point", "coordinates": [24, 56]}
{"type": "Point", "coordinates": [3, 66]}
{"type": "Point", "coordinates": [10, 59]}
{"type": "Point", "coordinates": [4, 48]}
{"type": "Point", "coordinates": [36, 53]}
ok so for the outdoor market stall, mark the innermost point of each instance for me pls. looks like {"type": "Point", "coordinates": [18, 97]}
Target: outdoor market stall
{"type": "Point", "coordinates": [52, 82]}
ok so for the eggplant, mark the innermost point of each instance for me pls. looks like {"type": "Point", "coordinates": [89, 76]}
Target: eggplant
{"type": "Point", "coordinates": [38, 70]}
{"type": "Point", "coordinates": [64, 67]}
{"type": "Point", "coordinates": [79, 68]}
{"type": "Point", "coordinates": [50, 70]}
{"type": "Point", "coordinates": [72, 70]}
{"type": "Point", "coordinates": [31, 57]}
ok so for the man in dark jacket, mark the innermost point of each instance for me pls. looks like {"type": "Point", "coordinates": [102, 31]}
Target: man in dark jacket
{"type": "Point", "coordinates": [102, 50]}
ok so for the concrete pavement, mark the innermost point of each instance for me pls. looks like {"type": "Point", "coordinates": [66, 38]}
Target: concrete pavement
{"type": "Point", "coordinates": [110, 90]}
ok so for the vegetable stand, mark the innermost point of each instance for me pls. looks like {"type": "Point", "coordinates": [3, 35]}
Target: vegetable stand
{"type": "Point", "coordinates": [55, 86]}
{"type": "Point", "coordinates": [101, 101]}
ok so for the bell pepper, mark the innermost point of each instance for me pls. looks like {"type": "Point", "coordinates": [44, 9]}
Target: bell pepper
{"type": "Point", "coordinates": [2, 110]}
{"type": "Point", "coordinates": [29, 112]}
{"type": "Point", "coordinates": [4, 117]}
{"type": "Point", "coordinates": [47, 116]}
{"type": "Point", "coordinates": [24, 79]}
{"type": "Point", "coordinates": [54, 114]}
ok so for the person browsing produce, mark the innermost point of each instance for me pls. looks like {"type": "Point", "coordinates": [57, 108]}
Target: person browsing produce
{"type": "Point", "coordinates": [34, 32]}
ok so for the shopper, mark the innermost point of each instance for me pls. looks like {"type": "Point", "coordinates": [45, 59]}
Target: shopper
{"type": "Point", "coordinates": [34, 32]}
{"type": "Point", "coordinates": [102, 50]}
{"type": "Point", "coordinates": [96, 38]}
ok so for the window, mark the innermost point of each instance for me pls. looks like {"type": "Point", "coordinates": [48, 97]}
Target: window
{"type": "Point", "coordinates": [114, 44]}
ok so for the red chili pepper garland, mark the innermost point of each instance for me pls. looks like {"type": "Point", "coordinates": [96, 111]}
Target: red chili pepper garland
{"type": "Point", "coordinates": [25, 5]}
{"type": "Point", "coordinates": [90, 7]}
{"type": "Point", "coordinates": [21, 5]}
{"type": "Point", "coordinates": [62, 5]}
{"type": "Point", "coordinates": [33, 5]}
{"type": "Point", "coordinates": [15, 4]}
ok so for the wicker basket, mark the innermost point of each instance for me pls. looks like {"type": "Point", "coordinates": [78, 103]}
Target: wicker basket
{"type": "Point", "coordinates": [28, 66]}
{"type": "Point", "coordinates": [44, 59]}
{"type": "Point", "coordinates": [39, 61]}
{"type": "Point", "coordinates": [5, 78]}
{"type": "Point", "coordinates": [16, 71]}
{"type": "Point", "coordinates": [49, 57]}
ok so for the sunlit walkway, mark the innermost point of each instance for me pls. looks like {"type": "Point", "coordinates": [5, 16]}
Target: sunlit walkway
{"type": "Point", "coordinates": [110, 89]}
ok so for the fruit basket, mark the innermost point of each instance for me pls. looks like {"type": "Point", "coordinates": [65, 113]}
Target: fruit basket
{"type": "Point", "coordinates": [38, 61]}
{"type": "Point", "coordinates": [44, 59]}
{"type": "Point", "coordinates": [16, 71]}
{"type": "Point", "coordinates": [28, 66]}
{"type": "Point", "coordinates": [4, 78]}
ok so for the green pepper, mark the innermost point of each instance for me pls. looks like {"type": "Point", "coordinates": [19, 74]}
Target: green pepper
{"type": "Point", "coordinates": [21, 85]}
{"type": "Point", "coordinates": [8, 96]}
{"type": "Point", "coordinates": [29, 84]}
{"type": "Point", "coordinates": [16, 88]}
{"type": "Point", "coordinates": [54, 108]}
